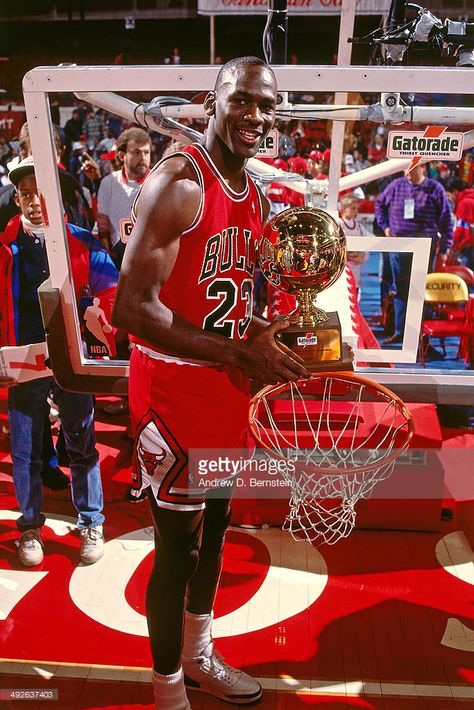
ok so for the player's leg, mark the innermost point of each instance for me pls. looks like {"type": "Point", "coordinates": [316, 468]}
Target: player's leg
{"type": "Point", "coordinates": [203, 585]}
{"type": "Point", "coordinates": [401, 266]}
{"type": "Point", "coordinates": [204, 668]}
{"type": "Point", "coordinates": [177, 541]}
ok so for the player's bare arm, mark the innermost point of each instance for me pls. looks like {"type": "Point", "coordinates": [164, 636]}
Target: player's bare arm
{"type": "Point", "coordinates": [166, 207]}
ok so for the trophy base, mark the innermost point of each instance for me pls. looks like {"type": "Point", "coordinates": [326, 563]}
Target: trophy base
{"type": "Point", "coordinates": [319, 346]}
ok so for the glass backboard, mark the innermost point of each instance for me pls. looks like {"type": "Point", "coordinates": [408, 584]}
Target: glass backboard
{"type": "Point", "coordinates": [376, 96]}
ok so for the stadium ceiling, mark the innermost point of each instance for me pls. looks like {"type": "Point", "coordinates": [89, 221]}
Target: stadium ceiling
{"type": "Point", "coordinates": [64, 10]}
{"type": "Point", "coordinates": [94, 10]}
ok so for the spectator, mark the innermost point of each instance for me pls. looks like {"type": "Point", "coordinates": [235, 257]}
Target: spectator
{"type": "Point", "coordinates": [277, 192]}
{"type": "Point", "coordinates": [51, 474]}
{"type": "Point", "coordinates": [55, 112]}
{"type": "Point", "coordinates": [118, 190]}
{"type": "Point", "coordinates": [106, 144]}
{"type": "Point", "coordinates": [360, 158]}
{"type": "Point", "coordinates": [314, 162]}
{"type": "Point", "coordinates": [466, 168]}
{"type": "Point", "coordinates": [72, 130]}
{"type": "Point", "coordinates": [78, 149]}
{"type": "Point", "coordinates": [74, 199]}
{"type": "Point", "coordinates": [24, 262]}
{"type": "Point", "coordinates": [464, 220]}
{"type": "Point", "coordinates": [115, 124]}
{"type": "Point", "coordinates": [6, 153]}
{"type": "Point", "coordinates": [377, 150]}
{"type": "Point", "coordinates": [349, 209]}
{"type": "Point", "coordinates": [349, 166]}
{"type": "Point", "coordinates": [286, 143]}
{"type": "Point", "coordinates": [445, 172]}
{"type": "Point", "coordinates": [116, 195]}
{"type": "Point", "coordinates": [93, 129]}
{"type": "Point", "coordinates": [297, 165]}
{"type": "Point", "coordinates": [175, 56]}
{"type": "Point", "coordinates": [413, 206]}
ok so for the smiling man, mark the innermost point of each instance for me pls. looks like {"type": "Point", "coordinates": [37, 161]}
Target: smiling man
{"type": "Point", "coordinates": [185, 294]}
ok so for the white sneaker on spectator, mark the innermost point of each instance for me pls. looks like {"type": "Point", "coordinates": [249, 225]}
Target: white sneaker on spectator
{"type": "Point", "coordinates": [92, 544]}
{"type": "Point", "coordinates": [30, 548]}
{"type": "Point", "coordinates": [214, 676]}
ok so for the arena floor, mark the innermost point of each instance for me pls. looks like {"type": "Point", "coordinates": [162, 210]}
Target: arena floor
{"type": "Point", "coordinates": [384, 620]}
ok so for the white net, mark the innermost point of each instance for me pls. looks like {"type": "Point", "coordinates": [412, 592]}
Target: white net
{"type": "Point", "coordinates": [342, 434]}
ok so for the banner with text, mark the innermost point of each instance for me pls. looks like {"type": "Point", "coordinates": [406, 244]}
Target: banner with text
{"type": "Point", "coordinates": [295, 7]}
{"type": "Point", "coordinates": [10, 123]}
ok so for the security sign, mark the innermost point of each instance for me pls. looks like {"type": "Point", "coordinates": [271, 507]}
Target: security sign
{"type": "Point", "coordinates": [434, 143]}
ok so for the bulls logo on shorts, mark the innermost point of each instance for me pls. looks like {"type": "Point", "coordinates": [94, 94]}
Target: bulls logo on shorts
{"type": "Point", "coordinates": [161, 463]}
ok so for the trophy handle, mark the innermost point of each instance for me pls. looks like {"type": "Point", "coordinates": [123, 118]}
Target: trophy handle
{"type": "Point", "coordinates": [306, 313]}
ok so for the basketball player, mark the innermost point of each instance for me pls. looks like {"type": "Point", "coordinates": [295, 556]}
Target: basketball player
{"type": "Point", "coordinates": [185, 295]}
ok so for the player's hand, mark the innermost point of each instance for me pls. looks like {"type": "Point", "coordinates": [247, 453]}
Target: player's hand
{"type": "Point", "coordinates": [266, 360]}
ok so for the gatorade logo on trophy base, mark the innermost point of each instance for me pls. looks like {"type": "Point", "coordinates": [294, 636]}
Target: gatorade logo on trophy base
{"type": "Point", "coordinates": [303, 252]}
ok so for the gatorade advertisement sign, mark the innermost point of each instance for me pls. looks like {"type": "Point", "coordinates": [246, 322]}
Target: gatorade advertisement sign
{"type": "Point", "coordinates": [434, 143]}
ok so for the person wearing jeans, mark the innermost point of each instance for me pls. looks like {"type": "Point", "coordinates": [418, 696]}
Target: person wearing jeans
{"type": "Point", "coordinates": [27, 403]}
{"type": "Point", "coordinates": [24, 265]}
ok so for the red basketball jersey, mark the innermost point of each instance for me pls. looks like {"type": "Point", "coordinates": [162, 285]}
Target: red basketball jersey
{"type": "Point", "coordinates": [211, 284]}
{"type": "Point", "coordinates": [176, 404]}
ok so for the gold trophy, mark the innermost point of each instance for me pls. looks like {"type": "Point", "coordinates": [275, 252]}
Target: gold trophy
{"type": "Point", "coordinates": [303, 251]}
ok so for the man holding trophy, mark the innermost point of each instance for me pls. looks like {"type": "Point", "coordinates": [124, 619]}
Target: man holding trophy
{"type": "Point", "coordinates": [185, 295]}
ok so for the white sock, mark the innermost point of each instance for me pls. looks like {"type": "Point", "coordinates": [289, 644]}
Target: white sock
{"type": "Point", "coordinates": [197, 635]}
{"type": "Point", "coordinates": [169, 691]}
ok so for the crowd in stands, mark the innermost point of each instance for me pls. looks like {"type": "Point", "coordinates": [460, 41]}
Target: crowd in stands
{"type": "Point", "coordinates": [102, 177]}
{"type": "Point", "coordinates": [89, 153]}
{"type": "Point", "coordinates": [305, 148]}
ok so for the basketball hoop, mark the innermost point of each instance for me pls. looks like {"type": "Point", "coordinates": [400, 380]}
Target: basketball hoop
{"type": "Point", "coordinates": [342, 434]}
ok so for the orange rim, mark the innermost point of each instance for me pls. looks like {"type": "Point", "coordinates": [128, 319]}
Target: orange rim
{"type": "Point", "coordinates": [347, 377]}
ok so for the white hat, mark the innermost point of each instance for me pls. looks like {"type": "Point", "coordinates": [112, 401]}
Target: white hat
{"type": "Point", "coordinates": [13, 163]}
{"type": "Point", "coordinates": [77, 145]}
{"type": "Point", "coordinates": [24, 167]}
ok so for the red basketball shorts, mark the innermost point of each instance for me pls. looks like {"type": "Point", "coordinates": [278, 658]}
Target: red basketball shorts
{"type": "Point", "coordinates": [176, 406]}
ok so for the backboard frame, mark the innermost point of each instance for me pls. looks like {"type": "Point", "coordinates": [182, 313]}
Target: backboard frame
{"type": "Point", "coordinates": [429, 385]}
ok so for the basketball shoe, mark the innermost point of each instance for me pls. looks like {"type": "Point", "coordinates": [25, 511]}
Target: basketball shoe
{"type": "Point", "coordinates": [214, 676]}
{"type": "Point", "coordinates": [30, 548]}
{"type": "Point", "coordinates": [92, 545]}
